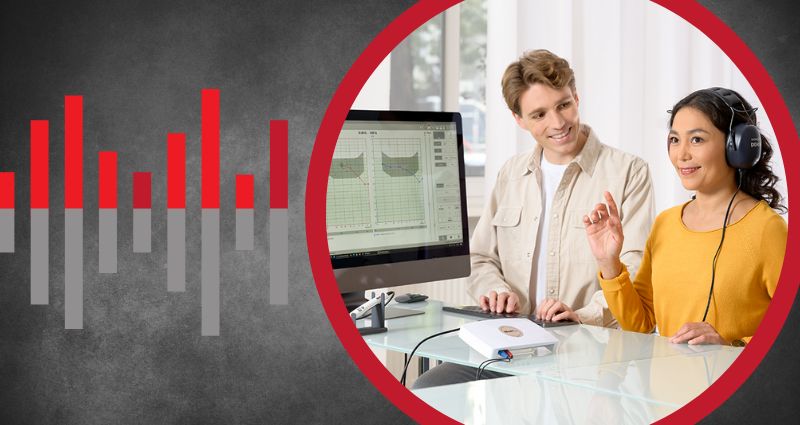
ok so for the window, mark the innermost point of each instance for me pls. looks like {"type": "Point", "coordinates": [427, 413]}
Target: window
{"type": "Point", "coordinates": [472, 83]}
{"type": "Point", "coordinates": [419, 77]}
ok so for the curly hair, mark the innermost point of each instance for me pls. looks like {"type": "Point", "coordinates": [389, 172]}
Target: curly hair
{"type": "Point", "coordinates": [535, 66]}
{"type": "Point", "coordinates": [758, 181]}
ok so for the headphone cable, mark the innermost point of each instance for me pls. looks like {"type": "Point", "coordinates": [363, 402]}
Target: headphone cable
{"type": "Point", "coordinates": [719, 248]}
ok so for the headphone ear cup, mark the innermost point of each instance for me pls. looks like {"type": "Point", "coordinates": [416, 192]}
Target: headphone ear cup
{"type": "Point", "coordinates": [743, 147]}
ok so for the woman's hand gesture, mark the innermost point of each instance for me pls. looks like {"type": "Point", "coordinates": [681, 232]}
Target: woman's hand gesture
{"type": "Point", "coordinates": [604, 231]}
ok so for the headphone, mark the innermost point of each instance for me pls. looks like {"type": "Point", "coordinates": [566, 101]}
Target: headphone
{"type": "Point", "coordinates": [743, 145]}
{"type": "Point", "coordinates": [742, 151]}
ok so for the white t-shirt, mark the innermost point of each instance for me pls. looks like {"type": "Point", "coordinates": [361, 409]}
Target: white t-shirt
{"type": "Point", "coordinates": [551, 178]}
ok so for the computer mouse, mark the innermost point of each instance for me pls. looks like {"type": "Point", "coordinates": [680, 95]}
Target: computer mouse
{"type": "Point", "coordinates": [411, 298]}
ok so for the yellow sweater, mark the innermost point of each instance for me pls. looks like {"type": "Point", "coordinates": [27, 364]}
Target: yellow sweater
{"type": "Point", "coordinates": [671, 287]}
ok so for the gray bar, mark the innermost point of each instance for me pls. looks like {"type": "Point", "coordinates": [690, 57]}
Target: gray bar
{"type": "Point", "coordinates": [40, 256]}
{"type": "Point", "coordinates": [176, 250]}
{"type": "Point", "coordinates": [278, 256]}
{"type": "Point", "coordinates": [141, 230]}
{"type": "Point", "coordinates": [6, 230]}
{"type": "Point", "coordinates": [209, 273]}
{"type": "Point", "coordinates": [244, 229]}
{"type": "Point", "coordinates": [108, 240]}
{"type": "Point", "coordinates": [73, 268]}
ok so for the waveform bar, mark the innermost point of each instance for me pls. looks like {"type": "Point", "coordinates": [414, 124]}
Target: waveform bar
{"type": "Point", "coordinates": [176, 212]}
{"type": "Point", "coordinates": [40, 212]}
{"type": "Point", "coordinates": [73, 212]}
{"type": "Point", "coordinates": [209, 230]}
{"type": "Point", "coordinates": [7, 211]}
{"type": "Point", "coordinates": [278, 212]}
{"type": "Point", "coordinates": [107, 216]}
{"type": "Point", "coordinates": [142, 216]}
{"type": "Point", "coordinates": [245, 213]}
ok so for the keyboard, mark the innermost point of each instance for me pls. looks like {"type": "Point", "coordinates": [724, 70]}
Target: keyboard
{"type": "Point", "coordinates": [476, 311]}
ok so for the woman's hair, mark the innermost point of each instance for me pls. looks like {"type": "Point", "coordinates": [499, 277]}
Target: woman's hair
{"type": "Point", "coordinates": [536, 66]}
{"type": "Point", "coordinates": [758, 181]}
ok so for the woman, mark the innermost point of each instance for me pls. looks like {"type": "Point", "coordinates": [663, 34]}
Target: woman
{"type": "Point", "coordinates": [701, 281]}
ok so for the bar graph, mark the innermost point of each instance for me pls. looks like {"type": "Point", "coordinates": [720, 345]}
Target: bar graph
{"type": "Point", "coordinates": [107, 217]}
{"type": "Point", "coordinates": [278, 212]}
{"type": "Point", "coordinates": [109, 172]}
{"type": "Point", "coordinates": [40, 211]}
{"type": "Point", "coordinates": [142, 218]}
{"type": "Point", "coordinates": [7, 211]}
{"type": "Point", "coordinates": [73, 212]}
{"type": "Point", "coordinates": [176, 212]}
{"type": "Point", "coordinates": [245, 214]}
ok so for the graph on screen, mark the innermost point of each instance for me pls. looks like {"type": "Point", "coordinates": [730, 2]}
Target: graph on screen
{"type": "Point", "coordinates": [393, 184]}
{"type": "Point", "coordinates": [349, 189]}
{"type": "Point", "coordinates": [399, 198]}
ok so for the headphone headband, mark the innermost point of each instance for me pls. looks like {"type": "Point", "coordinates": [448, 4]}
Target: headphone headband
{"type": "Point", "coordinates": [743, 144]}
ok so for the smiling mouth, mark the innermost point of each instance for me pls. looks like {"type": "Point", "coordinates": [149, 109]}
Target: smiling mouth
{"type": "Point", "coordinates": [561, 137]}
{"type": "Point", "coordinates": [687, 171]}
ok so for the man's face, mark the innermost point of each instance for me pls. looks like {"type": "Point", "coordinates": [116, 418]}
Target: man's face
{"type": "Point", "coordinates": [551, 116]}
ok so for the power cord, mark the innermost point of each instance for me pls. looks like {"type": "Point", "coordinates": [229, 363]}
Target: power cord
{"type": "Point", "coordinates": [410, 356]}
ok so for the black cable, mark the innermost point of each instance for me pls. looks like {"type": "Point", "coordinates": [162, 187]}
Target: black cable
{"type": "Point", "coordinates": [486, 364]}
{"type": "Point", "coordinates": [719, 248]}
{"type": "Point", "coordinates": [410, 356]}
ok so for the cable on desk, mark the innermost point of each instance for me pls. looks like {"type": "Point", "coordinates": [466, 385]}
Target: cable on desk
{"type": "Point", "coordinates": [505, 355]}
{"type": "Point", "coordinates": [410, 356]}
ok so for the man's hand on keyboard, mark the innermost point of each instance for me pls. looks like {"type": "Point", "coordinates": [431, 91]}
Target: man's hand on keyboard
{"type": "Point", "coordinates": [554, 311]}
{"type": "Point", "coordinates": [504, 302]}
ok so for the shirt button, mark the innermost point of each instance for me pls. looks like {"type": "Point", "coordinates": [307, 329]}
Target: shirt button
{"type": "Point", "coordinates": [536, 218]}
{"type": "Point", "coordinates": [552, 291]}
{"type": "Point", "coordinates": [555, 215]}
{"type": "Point", "coordinates": [552, 253]}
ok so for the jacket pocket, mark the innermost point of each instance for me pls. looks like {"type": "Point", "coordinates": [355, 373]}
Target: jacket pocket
{"type": "Point", "coordinates": [507, 217]}
{"type": "Point", "coordinates": [510, 237]}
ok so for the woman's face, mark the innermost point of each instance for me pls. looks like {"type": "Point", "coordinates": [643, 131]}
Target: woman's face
{"type": "Point", "coordinates": [697, 151]}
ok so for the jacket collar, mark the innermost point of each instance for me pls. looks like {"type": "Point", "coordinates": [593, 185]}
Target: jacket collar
{"type": "Point", "coordinates": [586, 158]}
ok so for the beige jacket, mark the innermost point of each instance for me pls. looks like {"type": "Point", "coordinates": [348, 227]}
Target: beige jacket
{"type": "Point", "coordinates": [503, 245]}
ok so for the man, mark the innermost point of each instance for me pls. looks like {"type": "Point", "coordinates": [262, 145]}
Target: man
{"type": "Point", "coordinates": [529, 250]}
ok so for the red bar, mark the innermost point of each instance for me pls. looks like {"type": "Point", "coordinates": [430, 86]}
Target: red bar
{"type": "Point", "coordinates": [6, 190]}
{"type": "Point", "coordinates": [108, 180]}
{"type": "Point", "coordinates": [40, 166]}
{"type": "Point", "coordinates": [244, 191]}
{"type": "Point", "coordinates": [209, 122]}
{"type": "Point", "coordinates": [176, 170]}
{"type": "Point", "coordinates": [73, 152]}
{"type": "Point", "coordinates": [141, 190]}
{"type": "Point", "coordinates": [278, 164]}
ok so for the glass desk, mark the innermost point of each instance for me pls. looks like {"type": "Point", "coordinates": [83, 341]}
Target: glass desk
{"type": "Point", "coordinates": [595, 374]}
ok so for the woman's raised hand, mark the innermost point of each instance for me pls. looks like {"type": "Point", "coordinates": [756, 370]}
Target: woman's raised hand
{"type": "Point", "coordinates": [604, 231]}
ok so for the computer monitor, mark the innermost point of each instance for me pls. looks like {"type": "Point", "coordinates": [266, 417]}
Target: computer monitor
{"type": "Point", "coordinates": [396, 200]}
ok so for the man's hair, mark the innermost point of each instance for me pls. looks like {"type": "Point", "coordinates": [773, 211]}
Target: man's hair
{"type": "Point", "coordinates": [535, 66]}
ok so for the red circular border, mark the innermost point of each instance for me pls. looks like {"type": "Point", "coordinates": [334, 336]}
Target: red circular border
{"type": "Point", "coordinates": [316, 187]}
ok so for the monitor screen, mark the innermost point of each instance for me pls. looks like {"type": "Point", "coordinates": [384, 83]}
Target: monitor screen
{"type": "Point", "coordinates": [396, 201]}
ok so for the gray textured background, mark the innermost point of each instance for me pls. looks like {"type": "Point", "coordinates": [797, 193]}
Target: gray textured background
{"type": "Point", "coordinates": [140, 66]}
